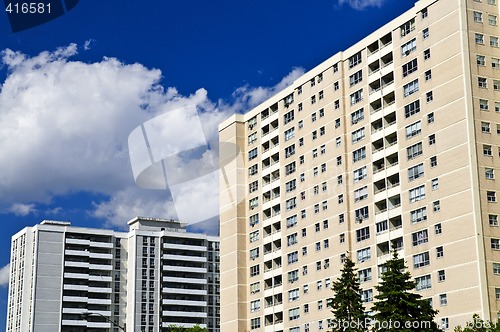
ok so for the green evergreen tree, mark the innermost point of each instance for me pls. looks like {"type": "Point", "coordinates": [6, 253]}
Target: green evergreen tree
{"type": "Point", "coordinates": [397, 305]}
{"type": "Point", "coordinates": [347, 307]}
{"type": "Point", "coordinates": [176, 328]}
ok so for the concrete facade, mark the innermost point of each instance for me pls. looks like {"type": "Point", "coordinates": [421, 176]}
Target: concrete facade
{"type": "Point", "coordinates": [67, 278]}
{"type": "Point", "coordinates": [394, 141]}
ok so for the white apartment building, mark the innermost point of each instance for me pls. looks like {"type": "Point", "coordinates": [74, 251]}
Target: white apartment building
{"type": "Point", "coordinates": [394, 141]}
{"type": "Point", "coordinates": [65, 278]}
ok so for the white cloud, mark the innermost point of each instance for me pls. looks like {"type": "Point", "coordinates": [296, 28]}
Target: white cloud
{"type": "Point", "coordinates": [65, 126]}
{"type": "Point", "coordinates": [22, 210]}
{"type": "Point", "coordinates": [4, 275]}
{"type": "Point", "coordinates": [362, 4]}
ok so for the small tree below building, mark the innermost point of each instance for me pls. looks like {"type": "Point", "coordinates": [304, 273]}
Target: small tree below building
{"type": "Point", "coordinates": [347, 307]}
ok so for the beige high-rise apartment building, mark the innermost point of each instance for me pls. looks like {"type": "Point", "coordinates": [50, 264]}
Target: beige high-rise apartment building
{"type": "Point", "coordinates": [394, 141]}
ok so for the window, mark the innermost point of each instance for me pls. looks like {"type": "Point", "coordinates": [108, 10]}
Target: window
{"type": "Point", "coordinates": [291, 239]}
{"type": "Point", "coordinates": [320, 95]}
{"type": "Point", "coordinates": [432, 139]}
{"type": "Point", "coordinates": [291, 221]}
{"type": "Point", "coordinates": [408, 47]}
{"type": "Point", "coordinates": [289, 151]}
{"type": "Point", "coordinates": [493, 219]}
{"type": "Point", "coordinates": [299, 90]}
{"type": "Point", "coordinates": [252, 154]}
{"type": "Point", "coordinates": [313, 82]}
{"type": "Point", "coordinates": [382, 226]}
{"type": "Point", "coordinates": [361, 214]}
{"type": "Point", "coordinates": [359, 174]}
{"type": "Point", "coordinates": [424, 13]}
{"type": "Point", "coordinates": [355, 78]}
{"type": "Point", "coordinates": [319, 285]}
{"type": "Point", "coordinates": [335, 86]}
{"type": "Point", "coordinates": [337, 123]}
{"type": "Point", "coordinates": [495, 244]}
{"type": "Point", "coordinates": [253, 220]}
{"type": "Point", "coordinates": [495, 63]}
{"type": "Point", "coordinates": [478, 17]}
{"type": "Point", "coordinates": [293, 295]}
{"type": "Point", "coordinates": [443, 300]}
{"type": "Point", "coordinates": [496, 268]}
{"type": "Point", "coordinates": [336, 105]}
{"type": "Point", "coordinates": [480, 60]}
{"type": "Point", "coordinates": [423, 282]}
{"type": "Point", "coordinates": [339, 160]}
{"type": "Point", "coordinates": [313, 101]}
{"type": "Point", "coordinates": [439, 252]}
{"type": "Point", "coordinates": [314, 135]}
{"type": "Point", "coordinates": [429, 97]}
{"type": "Point", "coordinates": [338, 141]}
{"type": "Point", "coordinates": [254, 270]}
{"type": "Point", "coordinates": [438, 229]}
{"type": "Point", "coordinates": [485, 127]}
{"type": "Point", "coordinates": [255, 305]}
{"type": "Point", "coordinates": [301, 141]}
{"type": "Point", "coordinates": [253, 186]}
{"type": "Point", "coordinates": [254, 236]}
{"type": "Point", "coordinates": [435, 184]}
{"type": "Point", "coordinates": [363, 234]}
{"type": "Point", "coordinates": [425, 33]}
{"type": "Point", "coordinates": [492, 2]}
{"type": "Point", "coordinates": [355, 59]}
{"type": "Point", "coordinates": [413, 129]}
{"type": "Point", "coordinates": [445, 324]}
{"type": "Point", "coordinates": [492, 20]}
{"type": "Point", "coordinates": [496, 85]}
{"type": "Point", "coordinates": [410, 67]}
{"type": "Point", "coordinates": [433, 161]}
{"type": "Point", "coordinates": [420, 237]}
{"type": "Point", "coordinates": [367, 295]}
{"type": "Point", "coordinates": [421, 260]}
{"type": "Point", "coordinates": [407, 27]}
{"type": "Point", "coordinates": [483, 104]}
{"type": "Point", "coordinates": [358, 135]}
{"type": "Point", "coordinates": [430, 118]}
{"type": "Point", "coordinates": [481, 81]}
{"type": "Point", "coordinates": [493, 41]}
{"type": "Point", "coordinates": [487, 150]}
{"type": "Point", "coordinates": [293, 257]}
{"type": "Point", "coordinates": [303, 214]}
{"type": "Point", "coordinates": [252, 138]}
{"type": "Point", "coordinates": [290, 168]}
{"type": "Point", "coordinates": [436, 206]}
{"type": "Point", "coordinates": [417, 194]}
{"type": "Point", "coordinates": [427, 54]}
{"type": "Point", "coordinates": [357, 116]}
{"type": "Point", "coordinates": [489, 173]}
{"type": "Point", "coordinates": [491, 196]}
{"type": "Point", "coordinates": [339, 179]}
{"type": "Point", "coordinates": [289, 116]}
{"type": "Point", "coordinates": [365, 275]}
{"type": "Point", "coordinates": [360, 194]}
{"type": "Point", "coordinates": [441, 276]}
{"type": "Point", "coordinates": [324, 205]}
{"type": "Point", "coordinates": [321, 113]}
{"type": "Point", "coordinates": [356, 97]}
{"type": "Point", "coordinates": [418, 215]}
{"type": "Point", "coordinates": [412, 108]}
{"type": "Point", "coordinates": [300, 107]}
{"type": "Point", "coordinates": [289, 134]}
{"type": "Point", "coordinates": [363, 255]}
{"type": "Point", "coordinates": [254, 253]}
{"type": "Point", "coordinates": [342, 238]}
{"type": "Point", "coordinates": [410, 88]}
{"type": "Point", "coordinates": [323, 149]}
{"type": "Point", "coordinates": [414, 151]}
{"type": "Point", "coordinates": [359, 154]}
{"type": "Point", "coordinates": [255, 323]}
{"type": "Point", "coordinates": [428, 75]}
{"type": "Point", "coordinates": [479, 37]}
{"type": "Point", "coordinates": [415, 172]}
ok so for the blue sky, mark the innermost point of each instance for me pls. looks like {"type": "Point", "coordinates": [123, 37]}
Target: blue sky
{"type": "Point", "coordinates": [73, 89]}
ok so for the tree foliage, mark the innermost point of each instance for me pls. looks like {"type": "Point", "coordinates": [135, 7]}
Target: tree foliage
{"type": "Point", "coordinates": [346, 304]}
{"type": "Point", "coordinates": [398, 307]}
